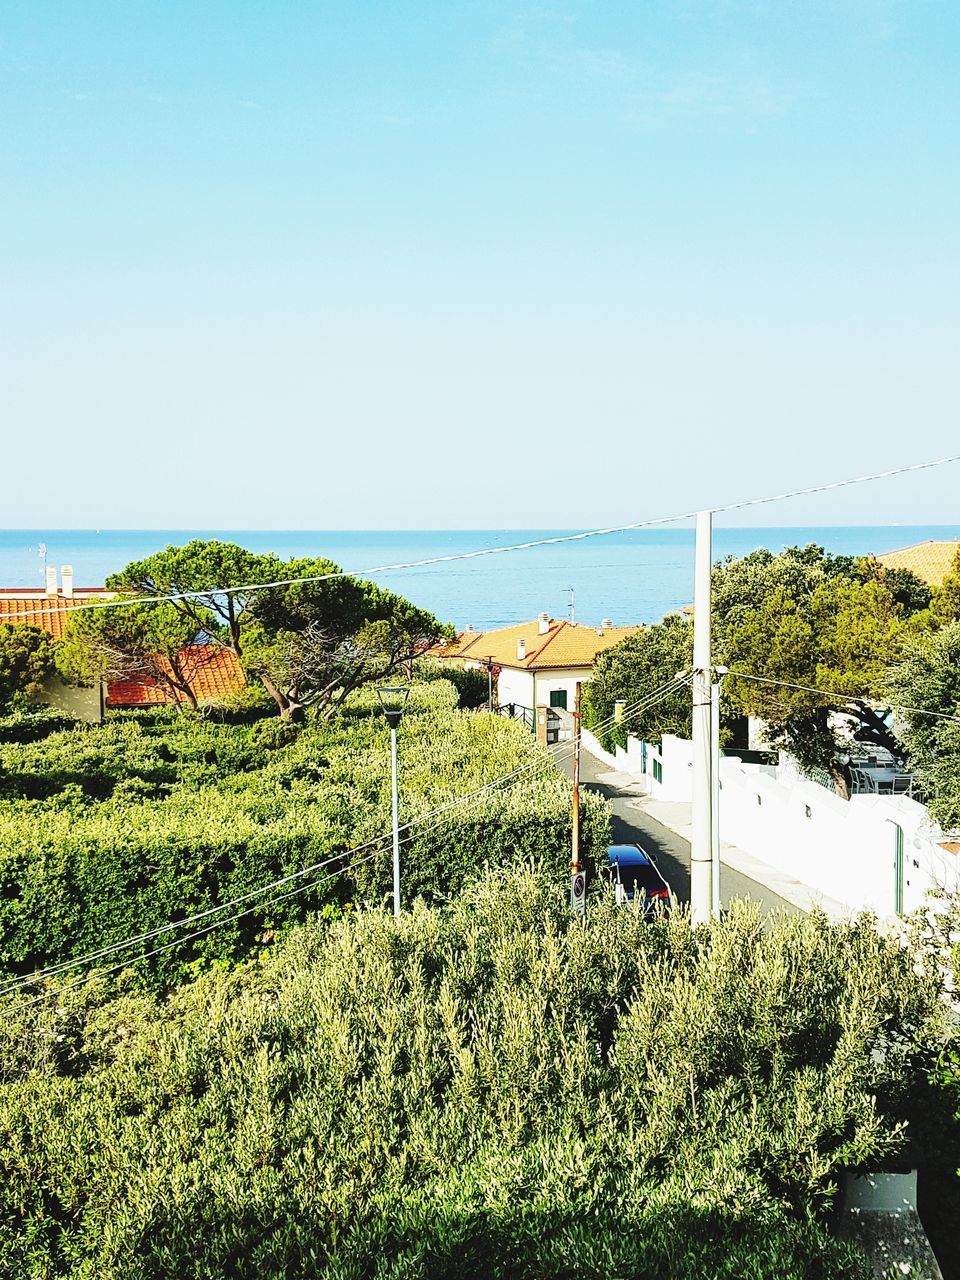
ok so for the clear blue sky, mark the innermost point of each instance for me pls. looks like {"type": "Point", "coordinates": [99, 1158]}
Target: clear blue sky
{"type": "Point", "coordinates": [475, 264]}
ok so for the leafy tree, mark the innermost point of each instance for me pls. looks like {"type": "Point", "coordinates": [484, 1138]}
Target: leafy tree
{"type": "Point", "coordinates": [308, 643]}
{"type": "Point", "coordinates": [313, 643]}
{"type": "Point", "coordinates": [741, 584]}
{"type": "Point", "coordinates": [946, 602]}
{"type": "Point", "coordinates": [203, 568]}
{"type": "Point", "coordinates": [26, 660]}
{"type": "Point", "coordinates": [928, 678]}
{"type": "Point", "coordinates": [910, 593]}
{"type": "Point", "coordinates": [841, 636]}
{"type": "Point", "coordinates": [147, 643]}
{"type": "Point", "coordinates": [640, 663]}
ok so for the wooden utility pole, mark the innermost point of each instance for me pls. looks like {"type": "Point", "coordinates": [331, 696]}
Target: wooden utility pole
{"type": "Point", "coordinates": [575, 844]}
{"type": "Point", "coordinates": [489, 683]}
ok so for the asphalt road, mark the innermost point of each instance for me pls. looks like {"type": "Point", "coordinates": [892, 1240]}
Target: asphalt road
{"type": "Point", "coordinates": [631, 823]}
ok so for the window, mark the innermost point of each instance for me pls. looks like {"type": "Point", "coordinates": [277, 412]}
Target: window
{"type": "Point", "coordinates": [657, 770]}
{"type": "Point", "coordinates": [558, 698]}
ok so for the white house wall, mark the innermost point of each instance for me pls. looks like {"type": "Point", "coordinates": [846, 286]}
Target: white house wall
{"type": "Point", "coordinates": [844, 849]}
{"type": "Point", "coordinates": [515, 686]}
{"type": "Point", "coordinates": [518, 686]}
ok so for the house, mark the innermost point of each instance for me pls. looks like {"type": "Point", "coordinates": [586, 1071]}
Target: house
{"type": "Point", "coordinates": [212, 672]}
{"type": "Point", "coordinates": [536, 663]}
{"type": "Point", "coordinates": [931, 561]}
{"type": "Point", "coordinates": [49, 609]}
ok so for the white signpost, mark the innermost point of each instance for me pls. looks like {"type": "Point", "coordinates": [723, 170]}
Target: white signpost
{"type": "Point", "coordinates": [578, 892]}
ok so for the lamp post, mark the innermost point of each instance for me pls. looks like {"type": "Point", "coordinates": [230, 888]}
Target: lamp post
{"type": "Point", "coordinates": [393, 699]}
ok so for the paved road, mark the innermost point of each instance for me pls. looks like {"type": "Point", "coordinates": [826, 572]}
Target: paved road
{"type": "Point", "coordinates": [672, 852]}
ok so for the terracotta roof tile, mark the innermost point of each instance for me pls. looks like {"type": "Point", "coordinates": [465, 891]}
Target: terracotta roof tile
{"type": "Point", "coordinates": [931, 561]}
{"type": "Point", "coordinates": [41, 610]}
{"type": "Point", "coordinates": [214, 673]}
{"type": "Point", "coordinates": [564, 644]}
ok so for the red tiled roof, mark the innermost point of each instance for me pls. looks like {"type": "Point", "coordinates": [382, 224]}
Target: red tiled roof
{"type": "Point", "coordinates": [213, 673]}
{"type": "Point", "coordinates": [563, 644]}
{"type": "Point", "coordinates": [26, 604]}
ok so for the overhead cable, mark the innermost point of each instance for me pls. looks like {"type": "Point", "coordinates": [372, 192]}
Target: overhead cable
{"type": "Point", "coordinates": [206, 593]}
{"type": "Point", "coordinates": [845, 697]}
{"type": "Point", "coordinates": [547, 758]}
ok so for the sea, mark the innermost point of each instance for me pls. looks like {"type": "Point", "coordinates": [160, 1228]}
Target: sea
{"type": "Point", "coordinates": [630, 577]}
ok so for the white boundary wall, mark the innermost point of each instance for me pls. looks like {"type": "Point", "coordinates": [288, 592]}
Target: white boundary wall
{"type": "Point", "coordinates": [844, 849]}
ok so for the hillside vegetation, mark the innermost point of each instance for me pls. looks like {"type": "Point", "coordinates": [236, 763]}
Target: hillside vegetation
{"type": "Point", "coordinates": [108, 832]}
{"type": "Point", "coordinates": [487, 1089]}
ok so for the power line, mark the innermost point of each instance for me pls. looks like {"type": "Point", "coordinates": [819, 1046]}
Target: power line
{"type": "Point", "coordinates": [845, 697]}
{"type": "Point", "coordinates": [206, 593]}
{"type": "Point", "coordinates": [197, 933]}
{"type": "Point", "coordinates": [470, 798]}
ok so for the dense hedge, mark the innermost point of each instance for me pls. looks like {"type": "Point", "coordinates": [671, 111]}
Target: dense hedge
{"type": "Point", "coordinates": [486, 1090]}
{"type": "Point", "coordinates": [111, 831]}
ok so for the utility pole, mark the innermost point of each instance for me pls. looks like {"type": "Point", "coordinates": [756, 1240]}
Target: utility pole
{"type": "Point", "coordinates": [573, 612]}
{"type": "Point", "coordinates": [490, 684]}
{"type": "Point", "coordinates": [575, 825]}
{"type": "Point", "coordinates": [715, 791]}
{"type": "Point", "coordinates": [701, 844]}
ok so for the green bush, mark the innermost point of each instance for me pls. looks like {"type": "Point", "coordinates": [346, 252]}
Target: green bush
{"type": "Point", "coordinates": [487, 1090]}
{"type": "Point", "coordinates": [471, 683]}
{"type": "Point", "coordinates": [272, 734]}
{"type": "Point", "coordinates": [109, 832]}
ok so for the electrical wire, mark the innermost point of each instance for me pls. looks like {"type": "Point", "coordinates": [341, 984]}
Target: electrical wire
{"type": "Point", "coordinates": [470, 798]}
{"type": "Point", "coordinates": [197, 933]}
{"type": "Point", "coordinates": [207, 593]}
{"type": "Point", "coordinates": [845, 697]}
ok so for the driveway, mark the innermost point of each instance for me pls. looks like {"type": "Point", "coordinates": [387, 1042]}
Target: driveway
{"type": "Point", "coordinates": [632, 824]}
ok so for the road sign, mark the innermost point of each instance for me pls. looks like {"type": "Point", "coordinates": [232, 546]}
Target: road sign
{"type": "Point", "coordinates": [578, 892]}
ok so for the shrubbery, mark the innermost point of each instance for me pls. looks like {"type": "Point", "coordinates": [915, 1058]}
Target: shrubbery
{"type": "Point", "coordinates": [488, 1090]}
{"type": "Point", "coordinates": [110, 832]}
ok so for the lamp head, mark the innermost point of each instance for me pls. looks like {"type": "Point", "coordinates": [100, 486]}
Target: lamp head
{"type": "Point", "coordinates": [393, 699]}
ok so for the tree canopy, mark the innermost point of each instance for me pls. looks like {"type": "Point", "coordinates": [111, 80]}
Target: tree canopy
{"type": "Point", "coordinates": [313, 643]}
{"type": "Point", "coordinates": [26, 660]}
{"type": "Point", "coordinates": [149, 643]}
{"type": "Point", "coordinates": [927, 683]}
{"type": "Point", "coordinates": [800, 617]}
{"type": "Point", "coordinates": [642, 662]}
{"type": "Point", "coordinates": [307, 642]}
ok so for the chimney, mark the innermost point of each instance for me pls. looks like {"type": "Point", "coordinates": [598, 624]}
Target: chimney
{"type": "Point", "coordinates": [543, 620]}
{"type": "Point", "coordinates": [51, 579]}
{"type": "Point", "coordinates": [468, 629]}
{"type": "Point", "coordinates": [66, 576]}
{"type": "Point", "coordinates": [521, 650]}
{"type": "Point", "coordinates": [606, 624]}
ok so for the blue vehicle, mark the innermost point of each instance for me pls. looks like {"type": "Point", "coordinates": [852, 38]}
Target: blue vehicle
{"type": "Point", "coordinates": [634, 874]}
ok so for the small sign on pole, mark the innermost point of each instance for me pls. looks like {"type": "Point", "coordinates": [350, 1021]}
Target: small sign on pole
{"type": "Point", "coordinates": [578, 892]}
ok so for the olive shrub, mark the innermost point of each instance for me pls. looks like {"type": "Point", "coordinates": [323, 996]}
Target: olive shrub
{"type": "Point", "coordinates": [486, 1089]}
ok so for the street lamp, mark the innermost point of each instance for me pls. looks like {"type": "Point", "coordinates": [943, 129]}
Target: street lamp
{"type": "Point", "coordinates": [393, 699]}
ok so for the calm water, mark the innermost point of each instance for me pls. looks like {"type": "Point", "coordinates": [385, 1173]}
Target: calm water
{"type": "Point", "coordinates": [629, 577]}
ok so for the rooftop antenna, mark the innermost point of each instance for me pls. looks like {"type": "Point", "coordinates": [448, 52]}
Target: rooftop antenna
{"type": "Point", "coordinates": [573, 613]}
